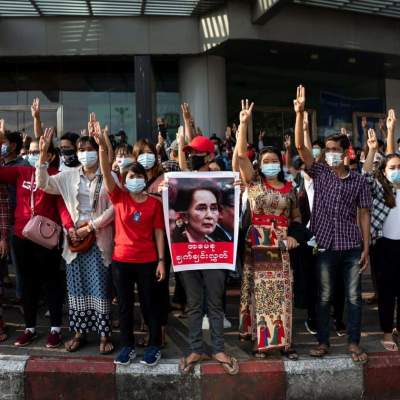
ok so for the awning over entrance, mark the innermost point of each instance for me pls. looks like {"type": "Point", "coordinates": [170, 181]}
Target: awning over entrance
{"type": "Point", "coordinates": [104, 8]}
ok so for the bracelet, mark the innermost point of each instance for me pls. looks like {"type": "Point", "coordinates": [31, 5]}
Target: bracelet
{"type": "Point", "coordinates": [160, 259]}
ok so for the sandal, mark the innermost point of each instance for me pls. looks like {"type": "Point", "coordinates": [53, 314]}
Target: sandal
{"type": "Point", "coordinates": [357, 354]}
{"type": "Point", "coordinates": [290, 354]}
{"type": "Point", "coordinates": [75, 344]}
{"type": "Point", "coordinates": [390, 345]}
{"type": "Point", "coordinates": [231, 368]}
{"type": "Point", "coordinates": [186, 368]}
{"type": "Point", "coordinates": [106, 346]}
{"type": "Point", "coordinates": [320, 351]}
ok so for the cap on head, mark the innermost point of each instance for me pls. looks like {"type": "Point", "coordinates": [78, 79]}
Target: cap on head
{"type": "Point", "coordinates": [200, 144]}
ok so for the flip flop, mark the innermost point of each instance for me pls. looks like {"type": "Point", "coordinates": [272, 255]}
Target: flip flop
{"type": "Point", "coordinates": [355, 356]}
{"type": "Point", "coordinates": [76, 344]}
{"type": "Point", "coordinates": [319, 351]}
{"type": "Point", "coordinates": [103, 346]}
{"type": "Point", "coordinates": [390, 345]}
{"type": "Point", "coordinates": [231, 368]}
{"type": "Point", "coordinates": [186, 368]}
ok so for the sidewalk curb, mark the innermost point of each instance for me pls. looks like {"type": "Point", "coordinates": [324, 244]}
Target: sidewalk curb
{"type": "Point", "coordinates": [69, 378]}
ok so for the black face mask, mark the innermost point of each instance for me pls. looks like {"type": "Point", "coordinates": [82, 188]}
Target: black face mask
{"type": "Point", "coordinates": [196, 162]}
{"type": "Point", "coordinates": [69, 158]}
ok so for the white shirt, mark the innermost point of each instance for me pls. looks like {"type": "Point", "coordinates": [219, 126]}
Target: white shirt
{"type": "Point", "coordinates": [391, 227]}
{"type": "Point", "coordinates": [309, 187]}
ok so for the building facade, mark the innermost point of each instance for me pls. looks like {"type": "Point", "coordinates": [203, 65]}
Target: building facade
{"type": "Point", "coordinates": [131, 61]}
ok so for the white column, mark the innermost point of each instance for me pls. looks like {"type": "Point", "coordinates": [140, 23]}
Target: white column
{"type": "Point", "coordinates": [203, 85]}
{"type": "Point", "coordinates": [392, 87]}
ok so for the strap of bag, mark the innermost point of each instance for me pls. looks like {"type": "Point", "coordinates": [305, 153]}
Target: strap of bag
{"type": "Point", "coordinates": [32, 199]}
{"type": "Point", "coordinates": [97, 193]}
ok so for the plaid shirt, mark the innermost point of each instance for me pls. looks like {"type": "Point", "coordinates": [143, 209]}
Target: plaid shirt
{"type": "Point", "coordinates": [380, 210]}
{"type": "Point", "coordinates": [5, 212]}
{"type": "Point", "coordinates": [336, 200]}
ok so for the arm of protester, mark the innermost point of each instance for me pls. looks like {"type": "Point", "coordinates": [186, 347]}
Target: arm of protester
{"type": "Point", "coordinates": [65, 216]}
{"type": "Point", "coordinates": [373, 145]}
{"type": "Point", "coordinates": [261, 137]}
{"type": "Point", "coordinates": [105, 219]}
{"type": "Point", "coordinates": [306, 129]}
{"type": "Point", "coordinates": [299, 104]}
{"type": "Point", "coordinates": [365, 223]}
{"type": "Point", "coordinates": [159, 236]}
{"type": "Point", "coordinates": [43, 181]}
{"type": "Point", "coordinates": [390, 124]}
{"type": "Point", "coordinates": [180, 137]}
{"type": "Point", "coordinates": [287, 143]}
{"type": "Point", "coordinates": [37, 123]}
{"type": "Point", "coordinates": [245, 166]}
{"type": "Point", "coordinates": [110, 150]}
{"type": "Point", "coordinates": [188, 122]}
{"type": "Point", "coordinates": [99, 137]}
{"type": "Point", "coordinates": [235, 160]}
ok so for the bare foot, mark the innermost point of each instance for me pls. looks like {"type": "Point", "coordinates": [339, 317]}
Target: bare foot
{"type": "Point", "coordinates": [358, 355]}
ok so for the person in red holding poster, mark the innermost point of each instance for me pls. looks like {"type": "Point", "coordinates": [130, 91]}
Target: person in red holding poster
{"type": "Point", "coordinates": [138, 252]}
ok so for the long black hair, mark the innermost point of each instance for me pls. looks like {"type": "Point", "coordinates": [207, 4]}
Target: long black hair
{"type": "Point", "coordinates": [390, 199]}
{"type": "Point", "coordinates": [272, 150]}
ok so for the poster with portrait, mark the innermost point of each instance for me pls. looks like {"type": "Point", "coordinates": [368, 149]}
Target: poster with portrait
{"type": "Point", "coordinates": [201, 211]}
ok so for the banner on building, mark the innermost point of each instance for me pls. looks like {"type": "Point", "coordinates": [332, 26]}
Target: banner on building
{"type": "Point", "coordinates": [201, 211]}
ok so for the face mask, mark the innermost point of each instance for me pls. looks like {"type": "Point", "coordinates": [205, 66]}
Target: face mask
{"type": "Point", "coordinates": [123, 162]}
{"type": "Point", "coordinates": [316, 152]}
{"type": "Point", "coordinates": [69, 157]}
{"type": "Point", "coordinates": [135, 185]}
{"type": "Point", "coordinates": [197, 162]}
{"type": "Point", "coordinates": [4, 150]}
{"type": "Point", "coordinates": [87, 158]}
{"type": "Point", "coordinates": [33, 159]}
{"type": "Point", "coordinates": [394, 176]}
{"type": "Point", "coordinates": [147, 160]}
{"type": "Point", "coordinates": [333, 159]}
{"type": "Point", "coordinates": [271, 170]}
{"type": "Point", "coordinates": [302, 173]}
{"type": "Point", "coordinates": [25, 156]}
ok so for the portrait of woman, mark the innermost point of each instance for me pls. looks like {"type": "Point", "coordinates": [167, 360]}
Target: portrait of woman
{"type": "Point", "coordinates": [199, 208]}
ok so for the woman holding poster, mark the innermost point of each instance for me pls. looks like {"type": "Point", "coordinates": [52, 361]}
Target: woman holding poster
{"type": "Point", "coordinates": [266, 296]}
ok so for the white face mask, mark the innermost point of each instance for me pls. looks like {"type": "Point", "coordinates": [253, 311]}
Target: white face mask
{"type": "Point", "coordinates": [147, 160]}
{"type": "Point", "coordinates": [135, 185]}
{"type": "Point", "coordinates": [87, 158]}
{"type": "Point", "coordinates": [334, 158]}
{"type": "Point", "coordinates": [123, 161]}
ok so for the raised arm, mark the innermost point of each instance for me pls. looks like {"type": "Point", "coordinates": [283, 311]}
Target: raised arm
{"type": "Point", "coordinates": [37, 123]}
{"type": "Point", "coordinates": [99, 137]}
{"type": "Point", "coordinates": [373, 146]}
{"type": "Point", "coordinates": [390, 125]}
{"type": "Point", "coordinates": [299, 104]}
{"type": "Point", "coordinates": [306, 130]}
{"type": "Point", "coordinates": [188, 122]}
{"type": "Point", "coordinates": [245, 165]}
{"type": "Point", "coordinates": [180, 137]}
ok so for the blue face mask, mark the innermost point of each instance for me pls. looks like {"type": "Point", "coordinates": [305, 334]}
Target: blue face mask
{"type": "Point", "coordinates": [135, 185]}
{"type": "Point", "coordinates": [124, 162]}
{"type": "Point", "coordinates": [394, 176]}
{"type": "Point", "coordinates": [4, 150]}
{"type": "Point", "coordinates": [33, 159]}
{"type": "Point", "coordinates": [147, 160]}
{"type": "Point", "coordinates": [88, 158]}
{"type": "Point", "coordinates": [271, 170]}
{"type": "Point", "coordinates": [316, 152]}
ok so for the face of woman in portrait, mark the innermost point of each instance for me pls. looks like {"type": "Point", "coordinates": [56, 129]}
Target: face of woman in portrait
{"type": "Point", "coordinates": [202, 215]}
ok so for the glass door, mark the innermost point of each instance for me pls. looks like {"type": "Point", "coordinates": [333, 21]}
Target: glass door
{"type": "Point", "coordinates": [19, 118]}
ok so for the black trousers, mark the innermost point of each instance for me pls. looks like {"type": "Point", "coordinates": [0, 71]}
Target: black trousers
{"type": "Point", "coordinates": [125, 276]}
{"type": "Point", "coordinates": [39, 267]}
{"type": "Point", "coordinates": [387, 256]}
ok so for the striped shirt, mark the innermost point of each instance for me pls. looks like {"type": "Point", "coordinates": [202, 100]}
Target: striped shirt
{"type": "Point", "coordinates": [336, 200]}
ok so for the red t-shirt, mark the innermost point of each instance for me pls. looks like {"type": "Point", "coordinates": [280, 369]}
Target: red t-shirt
{"type": "Point", "coordinates": [134, 227]}
{"type": "Point", "coordinates": [46, 205]}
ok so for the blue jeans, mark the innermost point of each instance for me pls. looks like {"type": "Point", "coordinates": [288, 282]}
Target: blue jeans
{"type": "Point", "coordinates": [330, 262]}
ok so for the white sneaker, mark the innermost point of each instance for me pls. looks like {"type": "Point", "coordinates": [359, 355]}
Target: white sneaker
{"type": "Point", "coordinates": [206, 323]}
{"type": "Point", "coordinates": [227, 323]}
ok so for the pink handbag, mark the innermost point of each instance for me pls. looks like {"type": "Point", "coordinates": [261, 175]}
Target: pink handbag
{"type": "Point", "coordinates": [41, 230]}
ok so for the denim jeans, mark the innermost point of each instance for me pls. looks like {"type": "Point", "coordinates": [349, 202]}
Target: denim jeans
{"type": "Point", "coordinates": [329, 263]}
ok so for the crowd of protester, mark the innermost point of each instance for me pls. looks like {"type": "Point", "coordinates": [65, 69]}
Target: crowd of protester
{"type": "Point", "coordinates": [334, 205]}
